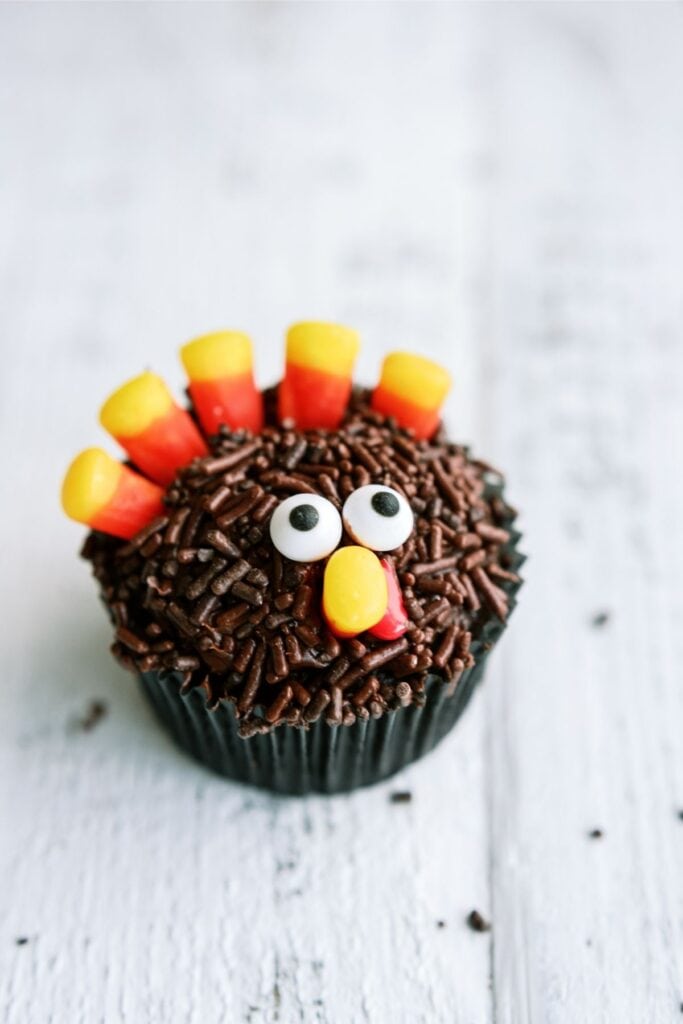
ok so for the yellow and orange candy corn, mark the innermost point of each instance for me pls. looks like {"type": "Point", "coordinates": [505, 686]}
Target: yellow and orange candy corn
{"type": "Point", "coordinates": [355, 592]}
{"type": "Point", "coordinates": [318, 375]}
{"type": "Point", "coordinates": [107, 496]}
{"type": "Point", "coordinates": [157, 434]}
{"type": "Point", "coordinates": [412, 390]}
{"type": "Point", "coordinates": [220, 370]}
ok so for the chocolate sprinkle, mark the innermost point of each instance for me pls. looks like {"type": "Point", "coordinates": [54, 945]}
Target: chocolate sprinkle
{"type": "Point", "coordinates": [317, 706]}
{"type": "Point", "coordinates": [201, 590]}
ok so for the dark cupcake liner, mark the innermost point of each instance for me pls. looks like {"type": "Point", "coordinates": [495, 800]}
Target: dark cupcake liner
{"type": "Point", "coordinates": [321, 758]}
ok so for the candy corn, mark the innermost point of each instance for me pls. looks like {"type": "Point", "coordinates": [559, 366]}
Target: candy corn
{"type": "Point", "coordinates": [158, 435]}
{"type": "Point", "coordinates": [412, 390]}
{"type": "Point", "coordinates": [317, 382]}
{"type": "Point", "coordinates": [222, 389]}
{"type": "Point", "coordinates": [107, 496]}
{"type": "Point", "coordinates": [355, 592]}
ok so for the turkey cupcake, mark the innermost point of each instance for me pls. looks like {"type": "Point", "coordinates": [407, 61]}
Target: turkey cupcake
{"type": "Point", "coordinates": [306, 582]}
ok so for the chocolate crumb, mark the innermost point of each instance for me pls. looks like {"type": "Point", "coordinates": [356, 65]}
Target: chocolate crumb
{"type": "Point", "coordinates": [440, 924]}
{"type": "Point", "coordinates": [21, 940]}
{"type": "Point", "coordinates": [401, 796]}
{"type": "Point", "coordinates": [95, 712]}
{"type": "Point", "coordinates": [477, 922]}
{"type": "Point", "coordinates": [595, 833]}
{"type": "Point", "coordinates": [600, 619]}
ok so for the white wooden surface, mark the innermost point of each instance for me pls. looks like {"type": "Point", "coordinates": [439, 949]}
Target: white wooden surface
{"type": "Point", "coordinates": [498, 185]}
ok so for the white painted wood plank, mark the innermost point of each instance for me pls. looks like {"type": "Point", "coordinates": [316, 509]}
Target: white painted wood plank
{"type": "Point", "coordinates": [165, 169]}
{"type": "Point", "coordinates": [586, 414]}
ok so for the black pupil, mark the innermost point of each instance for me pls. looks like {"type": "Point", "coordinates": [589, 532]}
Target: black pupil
{"type": "Point", "coordinates": [385, 503]}
{"type": "Point", "coordinates": [304, 517]}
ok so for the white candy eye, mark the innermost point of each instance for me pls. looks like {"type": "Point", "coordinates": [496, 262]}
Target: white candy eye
{"type": "Point", "coordinates": [378, 517]}
{"type": "Point", "coordinates": [305, 528]}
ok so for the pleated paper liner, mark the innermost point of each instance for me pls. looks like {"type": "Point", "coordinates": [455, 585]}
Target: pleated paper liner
{"type": "Point", "coordinates": [323, 758]}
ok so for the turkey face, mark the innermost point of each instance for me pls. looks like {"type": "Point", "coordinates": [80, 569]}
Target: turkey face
{"type": "Point", "coordinates": [360, 589]}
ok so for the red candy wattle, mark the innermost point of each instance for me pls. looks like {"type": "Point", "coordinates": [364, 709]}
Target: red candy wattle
{"type": "Point", "coordinates": [394, 623]}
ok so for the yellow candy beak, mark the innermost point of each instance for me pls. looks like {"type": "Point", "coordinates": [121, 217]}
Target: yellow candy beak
{"type": "Point", "coordinates": [355, 593]}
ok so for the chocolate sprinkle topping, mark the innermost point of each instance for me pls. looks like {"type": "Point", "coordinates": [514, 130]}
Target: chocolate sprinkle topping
{"type": "Point", "coordinates": [201, 591]}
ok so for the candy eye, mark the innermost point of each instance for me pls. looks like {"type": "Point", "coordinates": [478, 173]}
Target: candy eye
{"type": "Point", "coordinates": [378, 517]}
{"type": "Point", "coordinates": [305, 528]}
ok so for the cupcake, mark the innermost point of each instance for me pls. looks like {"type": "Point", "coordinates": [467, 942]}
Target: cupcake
{"type": "Point", "coordinates": [306, 581]}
